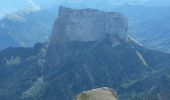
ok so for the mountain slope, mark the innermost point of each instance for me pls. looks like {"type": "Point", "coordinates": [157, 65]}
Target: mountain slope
{"type": "Point", "coordinates": [77, 64]}
{"type": "Point", "coordinates": [149, 25]}
{"type": "Point", "coordinates": [19, 70]}
{"type": "Point", "coordinates": [26, 27]}
{"type": "Point", "coordinates": [7, 41]}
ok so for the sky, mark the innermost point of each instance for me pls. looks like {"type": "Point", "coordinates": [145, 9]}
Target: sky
{"type": "Point", "coordinates": [9, 6]}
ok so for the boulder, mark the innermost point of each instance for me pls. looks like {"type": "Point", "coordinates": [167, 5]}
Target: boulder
{"type": "Point", "coordinates": [98, 94]}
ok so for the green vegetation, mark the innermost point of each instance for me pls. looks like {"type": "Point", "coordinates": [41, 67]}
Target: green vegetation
{"type": "Point", "coordinates": [12, 61]}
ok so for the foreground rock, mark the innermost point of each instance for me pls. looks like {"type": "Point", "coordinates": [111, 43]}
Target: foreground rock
{"type": "Point", "coordinates": [98, 94]}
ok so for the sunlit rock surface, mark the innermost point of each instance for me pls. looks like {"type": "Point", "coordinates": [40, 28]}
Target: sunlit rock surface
{"type": "Point", "coordinates": [98, 94]}
{"type": "Point", "coordinates": [88, 25]}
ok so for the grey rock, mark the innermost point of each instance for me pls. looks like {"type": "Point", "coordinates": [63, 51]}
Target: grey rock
{"type": "Point", "coordinates": [88, 25]}
{"type": "Point", "coordinates": [98, 94]}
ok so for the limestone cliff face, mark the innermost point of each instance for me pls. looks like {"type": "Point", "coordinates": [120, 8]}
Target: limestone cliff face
{"type": "Point", "coordinates": [98, 94]}
{"type": "Point", "coordinates": [85, 25]}
{"type": "Point", "coordinates": [88, 25]}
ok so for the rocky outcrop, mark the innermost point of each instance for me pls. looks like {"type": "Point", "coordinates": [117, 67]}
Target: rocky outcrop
{"type": "Point", "coordinates": [88, 25]}
{"type": "Point", "coordinates": [98, 94]}
{"type": "Point", "coordinates": [84, 25]}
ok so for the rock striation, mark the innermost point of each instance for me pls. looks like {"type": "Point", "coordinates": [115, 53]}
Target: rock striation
{"type": "Point", "coordinates": [88, 25]}
{"type": "Point", "coordinates": [98, 94]}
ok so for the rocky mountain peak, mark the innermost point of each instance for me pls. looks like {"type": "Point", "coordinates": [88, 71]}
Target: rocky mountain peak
{"type": "Point", "coordinates": [88, 25]}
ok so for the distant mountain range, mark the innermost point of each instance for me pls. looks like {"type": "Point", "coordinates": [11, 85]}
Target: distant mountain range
{"type": "Point", "coordinates": [83, 53]}
{"type": "Point", "coordinates": [26, 27]}
{"type": "Point", "coordinates": [149, 25]}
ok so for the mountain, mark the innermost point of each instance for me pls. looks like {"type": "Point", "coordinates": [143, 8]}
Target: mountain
{"type": "Point", "coordinates": [7, 41]}
{"type": "Point", "coordinates": [85, 52]}
{"type": "Point", "coordinates": [26, 27]}
{"type": "Point", "coordinates": [149, 25]}
{"type": "Point", "coordinates": [70, 27]}
{"type": "Point", "coordinates": [77, 62]}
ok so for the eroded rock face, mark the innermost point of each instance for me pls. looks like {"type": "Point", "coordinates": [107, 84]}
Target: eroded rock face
{"type": "Point", "coordinates": [98, 94]}
{"type": "Point", "coordinates": [88, 25]}
{"type": "Point", "coordinates": [79, 27]}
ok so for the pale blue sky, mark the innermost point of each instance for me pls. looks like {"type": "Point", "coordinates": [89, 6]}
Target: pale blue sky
{"type": "Point", "coordinates": [9, 6]}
